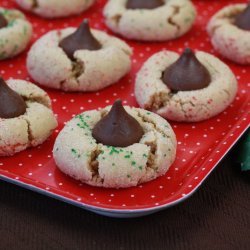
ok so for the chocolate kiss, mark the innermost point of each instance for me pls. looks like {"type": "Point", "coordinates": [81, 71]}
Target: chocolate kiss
{"type": "Point", "coordinates": [11, 104]}
{"type": "Point", "coordinates": [243, 19]}
{"type": "Point", "coordinates": [187, 73]}
{"type": "Point", "coordinates": [3, 21]}
{"type": "Point", "coordinates": [144, 4]}
{"type": "Point", "coordinates": [81, 39]}
{"type": "Point", "coordinates": [118, 128]}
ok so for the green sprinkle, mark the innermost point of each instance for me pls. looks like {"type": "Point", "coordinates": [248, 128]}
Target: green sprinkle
{"type": "Point", "coordinates": [140, 167]}
{"type": "Point", "coordinates": [75, 153]}
{"type": "Point", "coordinates": [128, 176]}
{"type": "Point", "coordinates": [133, 163]}
{"type": "Point", "coordinates": [113, 150]}
{"type": "Point", "coordinates": [5, 12]}
{"type": "Point", "coordinates": [11, 23]}
{"type": "Point", "coordinates": [144, 155]}
{"type": "Point", "coordinates": [113, 164]}
{"type": "Point", "coordinates": [148, 113]}
{"type": "Point", "coordinates": [15, 48]}
{"type": "Point", "coordinates": [82, 123]}
{"type": "Point", "coordinates": [25, 30]}
{"type": "Point", "coordinates": [127, 156]}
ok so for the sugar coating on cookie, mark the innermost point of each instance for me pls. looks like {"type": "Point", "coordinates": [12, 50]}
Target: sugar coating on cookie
{"type": "Point", "coordinates": [16, 36]}
{"type": "Point", "coordinates": [229, 40]}
{"type": "Point", "coordinates": [167, 22]}
{"type": "Point", "coordinates": [48, 64]}
{"type": "Point", "coordinates": [187, 106]}
{"type": "Point", "coordinates": [33, 127]}
{"type": "Point", "coordinates": [78, 155]}
{"type": "Point", "coordinates": [55, 8]}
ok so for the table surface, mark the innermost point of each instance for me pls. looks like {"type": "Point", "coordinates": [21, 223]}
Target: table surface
{"type": "Point", "coordinates": [217, 216]}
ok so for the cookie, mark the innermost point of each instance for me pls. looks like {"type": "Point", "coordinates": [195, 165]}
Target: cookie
{"type": "Point", "coordinates": [15, 33]}
{"type": "Point", "coordinates": [180, 102]}
{"type": "Point", "coordinates": [26, 118]}
{"type": "Point", "coordinates": [81, 149]}
{"type": "Point", "coordinates": [230, 39]}
{"type": "Point", "coordinates": [50, 64]}
{"type": "Point", "coordinates": [170, 20]}
{"type": "Point", "coordinates": [55, 8]}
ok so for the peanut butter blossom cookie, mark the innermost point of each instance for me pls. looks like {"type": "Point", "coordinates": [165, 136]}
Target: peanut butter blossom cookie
{"type": "Point", "coordinates": [150, 20]}
{"type": "Point", "coordinates": [115, 147]}
{"type": "Point", "coordinates": [190, 88]}
{"type": "Point", "coordinates": [55, 8]}
{"type": "Point", "coordinates": [15, 33]}
{"type": "Point", "coordinates": [26, 118]}
{"type": "Point", "coordinates": [78, 59]}
{"type": "Point", "coordinates": [230, 32]}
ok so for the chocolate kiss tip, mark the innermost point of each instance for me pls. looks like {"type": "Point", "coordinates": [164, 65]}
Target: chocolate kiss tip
{"type": "Point", "coordinates": [3, 21]}
{"type": "Point", "coordinates": [144, 4]}
{"type": "Point", "coordinates": [11, 103]}
{"type": "Point", "coordinates": [242, 20]}
{"type": "Point", "coordinates": [186, 74]}
{"type": "Point", "coordinates": [81, 39]}
{"type": "Point", "coordinates": [118, 128]}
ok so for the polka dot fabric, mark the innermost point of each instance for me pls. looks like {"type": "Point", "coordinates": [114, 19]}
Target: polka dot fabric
{"type": "Point", "coordinates": [200, 145]}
